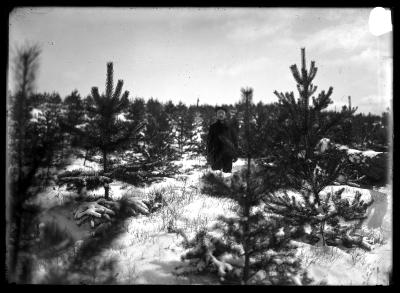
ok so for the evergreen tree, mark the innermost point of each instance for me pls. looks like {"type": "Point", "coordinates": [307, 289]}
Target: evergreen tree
{"type": "Point", "coordinates": [264, 127]}
{"type": "Point", "coordinates": [310, 170]}
{"type": "Point", "coordinates": [134, 166]}
{"type": "Point", "coordinates": [195, 133]}
{"type": "Point", "coordinates": [104, 132]}
{"type": "Point", "coordinates": [182, 125]}
{"type": "Point", "coordinates": [26, 155]}
{"type": "Point", "coordinates": [238, 121]}
{"type": "Point", "coordinates": [158, 137]}
{"type": "Point", "coordinates": [48, 123]}
{"type": "Point", "coordinates": [170, 108]}
{"type": "Point", "coordinates": [151, 152]}
{"type": "Point", "coordinates": [137, 115]}
{"type": "Point", "coordinates": [207, 113]}
{"type": "Point", "coordinates": [346, 125]}
{"type": "Point", "coordinates": [374, 132]}
{"type": "Point", "coordinates": [137, 111]}
{"type": "Point", "coordinates": [74, 115]}
{"type": "Point", "coordinates": [252, 246]}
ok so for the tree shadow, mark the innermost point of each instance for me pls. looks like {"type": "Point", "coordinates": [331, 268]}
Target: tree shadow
{"type": "Point", "coordinates": [85, 264]}
{"type": "Point", "coordinates": [164, 273]}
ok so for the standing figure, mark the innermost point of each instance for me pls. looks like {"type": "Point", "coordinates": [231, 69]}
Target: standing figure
{"type": "Point", "coordinates": [222, 143]}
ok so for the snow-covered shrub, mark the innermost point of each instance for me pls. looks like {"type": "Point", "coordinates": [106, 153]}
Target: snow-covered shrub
{"type": "Point", "coordinates": [133, 205]}
{"type": "Point", "coordinates": [373, 235]}
{"type": "Point", "coordinates": [82, 181]}
{"type": "Point", "coordinates": [219, 251]}
{"type": "Point", "coordinates": [213, 184]}
{"type": "Point", "coordinates": [333, 220]}
{"type": "Point", "coordinates": [250, 240]}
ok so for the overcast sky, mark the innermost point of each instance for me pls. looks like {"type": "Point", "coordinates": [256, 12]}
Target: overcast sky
{"type": "Point", "coordinates": [187, 53]}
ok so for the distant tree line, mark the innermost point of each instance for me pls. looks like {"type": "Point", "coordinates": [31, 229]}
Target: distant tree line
{"type": "Point", "coordinates": [169, 130]}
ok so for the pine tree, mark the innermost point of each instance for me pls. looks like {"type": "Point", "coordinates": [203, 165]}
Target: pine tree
{"type": "Point", "coordinates": [248, 201]}
{"type": "Point", "coordinates": [342, 133]}
{"type": "Point", "coordinates": [190, 131]}
{"type": "Point", "coordinates": [74, 115]}
{"type": "Point", "coordinates": [158, 138]}
{"type": "Point", "coordinates": [137, 111]}
{"type": "Point", "coordinates": [137, 115]}
{"type": "Point", "coordinates": [238, 122]}
{"type": "Point", "coordinates": [310, 170]}
{"type": "Point", "coordinates": [251, 247]}
{"type": "Point", "coordinates": [48, 122]}
{"type": "Point", "coordinates": [134, 165]}
{"type": "Point", "coordinates": [103, 131]}
{"type": "Point", "coordinates": [264, 128]}
{"type": "Point", "coordinates": [150, 153]}
{"type": "Point", "coordinates": [26, 155]}
{"type": "Point", "coordinates": [195, 133]}
{"type": "Point", "coordinates": [181, 123]}
{"type": "Point", "coordinates": [207, 113]}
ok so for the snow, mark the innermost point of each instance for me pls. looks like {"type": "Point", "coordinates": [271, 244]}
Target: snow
{"type": "Point", "coordinates": [156, 264]}
{"type": "Point", "coordinates": [324, 144]}
{"type": "Point", "coordinates": [332, 266]}
{"type": "Point", "coordinates": [371, 153]}
{"type": "Point", "coordinates": [342, 147]}
{"type": "Point", "coordinates": [122, 117]}
{"type": "Point", "coordinates": [367, 153]}
{"type": "Point", "coordinates": [35, 114]}
{"type": "Point", "coordinates": [353, 151]}
{"type": "Point", "coordinates": [82, 125]}
{"type": "Point", "coordinates": [349, 192]}
{"type": "Point", "coordinates": [78, 164]}
{"type": "Point", "coordinates": [147, 254]}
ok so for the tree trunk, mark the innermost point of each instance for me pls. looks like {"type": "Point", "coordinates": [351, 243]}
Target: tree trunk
{"type": "Point", "coordinates": [323, 233]}
{"type": "Point", "coordinates": [48, 171]}
{"type": "Point", "coordinates": [106, 187]}
{"type": "Point", "coordinates": [15, 235]}
{"type": "Point", "coordinates": [86, 154]}
{"type": "Point", "coordinates": [246, 269]}
{"type": "Point", "coordinates": [15, 200]}
{"type": "Point", "coordinates": [62, 147]}
{"type": "Point", "coordinates": [246, 248]}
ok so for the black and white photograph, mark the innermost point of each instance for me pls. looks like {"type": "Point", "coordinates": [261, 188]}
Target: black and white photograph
{"type": "Point", "coordinates": [199, 146]}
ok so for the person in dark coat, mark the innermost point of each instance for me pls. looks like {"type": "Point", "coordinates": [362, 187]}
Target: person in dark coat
{"type": "Point", "coordinates": [222, 143]}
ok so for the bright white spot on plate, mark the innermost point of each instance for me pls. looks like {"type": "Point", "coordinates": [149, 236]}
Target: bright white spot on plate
{"type": "Point", "coordinates": [380, 21]}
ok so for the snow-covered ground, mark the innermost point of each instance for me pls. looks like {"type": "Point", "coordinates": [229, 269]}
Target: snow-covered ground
{"type": "Point", "coordinates": [147, 254]}
{"type": "Point", "coordinates": [331, 266]}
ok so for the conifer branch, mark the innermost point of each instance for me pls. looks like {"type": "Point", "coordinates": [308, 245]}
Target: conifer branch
{"type": "Point", "coordinates": [296, 74]}
{"type": "Point", "coordinates": [118, 89]}
{"type": "Point", "coordinates": [109, 80]}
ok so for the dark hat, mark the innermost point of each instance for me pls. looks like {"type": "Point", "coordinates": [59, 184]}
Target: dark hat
{"type": "Point", "coordinates": [220, 108]}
